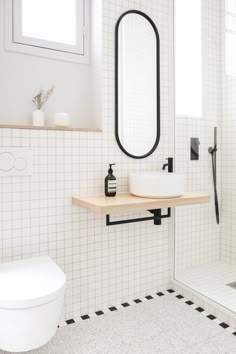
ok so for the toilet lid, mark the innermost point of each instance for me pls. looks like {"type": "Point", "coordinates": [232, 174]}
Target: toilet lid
{"type": "Point", "coordinates": [29, 283]}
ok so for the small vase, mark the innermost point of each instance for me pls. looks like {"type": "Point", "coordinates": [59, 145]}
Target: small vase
{"type": "Point", "coordinates": [38, 118]}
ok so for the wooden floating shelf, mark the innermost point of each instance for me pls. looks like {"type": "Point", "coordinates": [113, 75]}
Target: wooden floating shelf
{"type": "Point", "coordinates": [96, 130]}
{"type": "Point", "coordinates": [128, 202]}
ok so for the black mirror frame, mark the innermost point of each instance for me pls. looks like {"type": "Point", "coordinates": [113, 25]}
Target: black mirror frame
{"type": "Point", "coordinates": [117, 83]}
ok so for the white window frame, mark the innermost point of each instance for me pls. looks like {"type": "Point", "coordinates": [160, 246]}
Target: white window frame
{"type": "Point", "coordinates": [33, 46]}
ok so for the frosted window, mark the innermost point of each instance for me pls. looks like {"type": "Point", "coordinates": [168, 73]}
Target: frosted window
{"type": "Point", "coordinates": [50, 20]}
{"type": "Point", "coordinates": [58, 29]}
{"type": "Point", "coordinates": [230, 37]}
{"type": "Point", "coordinates": [188, 54]}
{"type": "Point", "coordinates": [230, 5]}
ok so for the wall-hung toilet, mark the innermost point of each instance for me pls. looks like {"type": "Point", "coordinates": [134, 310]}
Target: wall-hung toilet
{"type": "Point", "coordinates": [31, 302]}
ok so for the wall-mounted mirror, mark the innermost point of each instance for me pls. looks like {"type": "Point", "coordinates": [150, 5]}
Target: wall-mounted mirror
{"type": "Point", "coordinates": [137, 81]}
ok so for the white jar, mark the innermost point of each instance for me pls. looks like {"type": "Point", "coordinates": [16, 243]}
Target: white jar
{"type": "Point", "coordinates": [38, 118]}
{"type": "Point", "coordinates": [62, 119]}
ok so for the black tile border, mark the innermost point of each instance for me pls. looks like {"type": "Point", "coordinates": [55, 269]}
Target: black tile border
{"type": "Point", "coordinates": [113, 308]}
{"type": "Point", "coordinates": [207, 315]}
{"type": "Point", "coordinates": [199, 309]}
{"type": "Point", "coordinates": [160, 294]}
{"type": "Point", "coordinates": [189, 302]}
{"type": "Point", "coordinates": [224, 325]}
{"type": "Point", "coordinates": [149, 297]}
{"type": "Point", "coordinates": [137, 301]}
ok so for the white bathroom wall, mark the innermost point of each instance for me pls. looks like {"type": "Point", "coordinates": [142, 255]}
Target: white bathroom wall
{"type": "Point", "coordinates": [228, 242]}
{"type": "Point", "coordinates": [23, 75]}
{"type": "Point", "coordinates": [197, 237]}
{"type": "Point", "coordinates": [104, 265]}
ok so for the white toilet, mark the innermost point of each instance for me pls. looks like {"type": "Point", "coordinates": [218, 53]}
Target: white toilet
{"type": "Point", "coordinates": [31, 301]}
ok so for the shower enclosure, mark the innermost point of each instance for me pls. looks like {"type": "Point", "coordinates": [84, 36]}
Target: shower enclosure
{"type": "Point", "coordinates": [205, 67]}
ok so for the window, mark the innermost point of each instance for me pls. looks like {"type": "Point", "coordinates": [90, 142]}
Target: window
{"type": "Point", "coordinates": [230, 37]}
{"type": "Point", "coordinates": [51, 28]}
{"type": "Point", "coordinates": [188, 57]}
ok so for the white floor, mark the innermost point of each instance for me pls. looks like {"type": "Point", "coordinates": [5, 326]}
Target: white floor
{"type": "Point", "coordinates": [162, 325]}
{"type": "Point", "coordinates": [210, 280]}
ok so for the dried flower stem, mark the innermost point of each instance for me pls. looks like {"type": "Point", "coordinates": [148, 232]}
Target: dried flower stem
{"type": "Point", "coordinates": [41, 98]}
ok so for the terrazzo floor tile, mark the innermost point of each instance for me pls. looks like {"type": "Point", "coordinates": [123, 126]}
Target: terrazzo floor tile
{"type": "Point", "coordinates": [162, 325]}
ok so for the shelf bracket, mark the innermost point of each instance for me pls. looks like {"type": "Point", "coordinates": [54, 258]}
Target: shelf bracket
{"type": "Point", "coordinates": [157, 217]}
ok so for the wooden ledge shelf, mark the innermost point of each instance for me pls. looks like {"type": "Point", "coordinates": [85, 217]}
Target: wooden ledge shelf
{"type": "Point", "coordinates": [127, 202]}
{"type": "Point", "coordinates": [33, 127]}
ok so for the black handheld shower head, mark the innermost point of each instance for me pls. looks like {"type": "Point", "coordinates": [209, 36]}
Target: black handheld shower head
{"type": "Point", "coordinates": [211, 150]}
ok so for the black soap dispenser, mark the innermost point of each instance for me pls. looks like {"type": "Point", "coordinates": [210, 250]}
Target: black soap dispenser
{"type": "Point", "coordinates": [110, 182]}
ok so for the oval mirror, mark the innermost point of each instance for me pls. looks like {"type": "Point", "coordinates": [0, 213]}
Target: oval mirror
{"type": "Point", "coordinates": [137, 84]}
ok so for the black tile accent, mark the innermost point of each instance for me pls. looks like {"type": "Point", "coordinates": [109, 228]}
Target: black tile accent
{"type": "Point", "coordinates": [149, 297]}
{"type": "Point", "coordinates": [170, 291]}
{"type": "Point", "coordinates": [113, 308]}
{"type": "Point", "coordinates": [189, 302]}
{"type": "Point", "coordinates": [223, 325]}
{"type": "Point", "coordinates": [199, 309]}
{"type": "Point", "coordinates": [137, 301]}
{"type": "Point", "coordinates": [160, 294]}
{"type": "Point", "coordinates": [99, 313]}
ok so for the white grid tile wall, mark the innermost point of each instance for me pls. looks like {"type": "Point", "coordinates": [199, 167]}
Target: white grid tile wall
{"type": "Point", "coordinates": [104, 265]}
{"type": "Point", "coordinates": [197, 237]}
{"type": "Point", "coordinates": [228, 240]}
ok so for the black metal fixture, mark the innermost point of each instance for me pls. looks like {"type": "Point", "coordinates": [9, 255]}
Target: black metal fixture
{"type": "Point", "coordinates": [212, 151]}
{"type": "Point", "coordinates": [194, 148]}
{"type": "Point", "coordinates": [157, 217]}
{"type": "Point", "coordinates": [169, 164]}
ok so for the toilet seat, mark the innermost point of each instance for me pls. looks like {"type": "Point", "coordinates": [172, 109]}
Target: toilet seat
{"type": "Point", "coordinates": [30, 283]}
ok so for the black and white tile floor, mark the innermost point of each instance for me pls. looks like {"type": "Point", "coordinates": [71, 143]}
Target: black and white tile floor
{"type": "Point", "coordinates": [159, 323]}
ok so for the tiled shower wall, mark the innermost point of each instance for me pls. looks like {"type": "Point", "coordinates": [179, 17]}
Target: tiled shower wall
{"type": "Point", "coordinates": [104, 265]}
{"type": "Point", "coordinates": [197, 237]}
{"type": "Point", "coordinates": [228, 242]}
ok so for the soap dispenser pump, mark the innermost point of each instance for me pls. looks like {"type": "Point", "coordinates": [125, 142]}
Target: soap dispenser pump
{"type": "Point", "coordinates": [110, 182]}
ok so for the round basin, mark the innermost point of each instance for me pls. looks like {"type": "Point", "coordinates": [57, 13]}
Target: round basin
{"type": "Point", "coordinates": [156, 184]}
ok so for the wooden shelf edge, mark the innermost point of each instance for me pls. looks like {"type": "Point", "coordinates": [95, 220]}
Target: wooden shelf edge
{"type": "Point", "coordinates": [128, 203]}
{"type": "Point", "coordinates": [32, 127]}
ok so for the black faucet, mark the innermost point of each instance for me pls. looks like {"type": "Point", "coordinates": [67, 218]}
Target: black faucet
{"type": "Point", "coordinates": [169, 164]}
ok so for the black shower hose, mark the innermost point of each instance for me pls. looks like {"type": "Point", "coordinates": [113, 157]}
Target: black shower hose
{"type": "Point", "coordinates": [213, 155]}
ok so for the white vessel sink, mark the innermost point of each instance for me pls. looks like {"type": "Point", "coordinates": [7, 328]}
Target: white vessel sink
{"type": "Point", "coordinates": [156, 184]}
